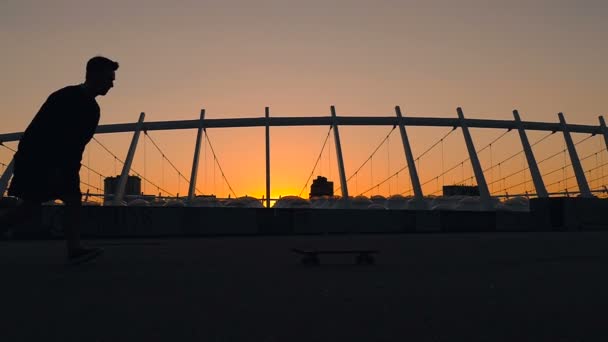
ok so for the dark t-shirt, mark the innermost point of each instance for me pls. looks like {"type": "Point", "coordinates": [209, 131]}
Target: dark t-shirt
{"type": "Point", "coordinates": [53, 143]}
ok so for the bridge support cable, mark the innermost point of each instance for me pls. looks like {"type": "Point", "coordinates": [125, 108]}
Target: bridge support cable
{"type": "Point", "coordinates": [370, 159]}
{"type": "Point", "coordinates": [461, 163]}
{"type": "Point", "coordinates": [576, 164]}
{"type": "Point", "coordinates": [146, 180]}
{"type": "Point", "coordinates": [89, 170]}
{"type": "Point", "coordinates": [489, 145]}
{"type": "Point", "coordinates": [197, 150]}
{"type": "Point", "coordinates": [267, 131]}
{"type": "Point", "coordinates": [160, 188]}
{"type": "Point", "coordinates": [122, 183]}
{"type": "Point", "coordinates": [409, 157]}
{"type": "Point", "coordinates": [316, 163]}
{"type": "Point", "coordinates": [518, 184]}
{"type": "Point", "coordinates": [563, 168]}
{"type": "Point", "coordinates": [388, 164]}
{"type": "Point", "coordinates": [8, 171]}
{"type": "Point", "coordinates": [539, 185]}
{"type": "Point", "coordinates": [343, 185]}
{"type": "Point", "coordinates": [371, 170]}
{"type": "Point", "coordinates": [376, 186]}
{"type": "Point", "coordinates": [442, 166]}
{"type": "Point", "coordinates": [602, 188]}
{"type": "Point", "coordinates": [217, 162]}
{"type": "Point", "coordinates": [164, 157]}
{"type": "Point", "coordinates": [91, 187]}
{"type": "Point", "coordinates": [525, 168]}
{"type": "Point", "coordinates": [8, 148]}
{"type": "Point", "coordinates": [109, 152]}
{"type": "Point", "coordinates": [492, 164]}
{"type": "Point", "coordinates": [599, 171]}
{"type": "Point", "coordinates": [597, 167]}
{"type": "Point", "coordinates": [484, 193]}
{"type": "Point", "coordinates": [440, 141]}
{"type": "Point", "coordinates": [6, 176]}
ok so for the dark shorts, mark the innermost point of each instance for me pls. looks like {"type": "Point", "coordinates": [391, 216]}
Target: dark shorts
{"type": "Point", "coordinates": [44, 184]}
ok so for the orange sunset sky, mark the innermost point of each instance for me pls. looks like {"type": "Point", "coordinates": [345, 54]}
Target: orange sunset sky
{"type": "Point", "coordinates": [233, 58]}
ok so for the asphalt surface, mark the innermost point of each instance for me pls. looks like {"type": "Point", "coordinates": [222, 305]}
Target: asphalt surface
{"type": "Point", "coordinates": [434, 287]}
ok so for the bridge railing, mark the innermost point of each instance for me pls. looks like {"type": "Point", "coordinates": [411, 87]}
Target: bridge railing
{"type": "Point", "coordinates": [335, 121]}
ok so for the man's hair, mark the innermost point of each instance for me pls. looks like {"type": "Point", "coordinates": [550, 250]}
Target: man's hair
{"type": "Point", "coordinates": [99, 64]}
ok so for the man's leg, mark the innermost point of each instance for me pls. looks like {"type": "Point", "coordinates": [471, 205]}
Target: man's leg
{"type": "Point", "coordinates": [71, 223]}
{"type": "Point", "coordinates": [72, 220]}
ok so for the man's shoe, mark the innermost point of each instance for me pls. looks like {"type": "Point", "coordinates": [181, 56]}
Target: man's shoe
{"type": "Point", "coordinates": [82, 255]}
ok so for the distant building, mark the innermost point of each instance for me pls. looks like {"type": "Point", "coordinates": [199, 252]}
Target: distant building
{"type": "Point", "coordinates": [132, 188]}
{"type": "Point", "coordinates": [321, 187]}
{"type": "Point", "coordinates": [460, 190]}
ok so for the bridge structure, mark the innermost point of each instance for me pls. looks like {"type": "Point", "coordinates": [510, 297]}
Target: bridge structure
{"type": "Point", "coordinates": [399, 120]}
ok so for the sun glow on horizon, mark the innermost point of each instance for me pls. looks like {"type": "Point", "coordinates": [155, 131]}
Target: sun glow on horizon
{"type": "Point", "coordinates": [236, 58]}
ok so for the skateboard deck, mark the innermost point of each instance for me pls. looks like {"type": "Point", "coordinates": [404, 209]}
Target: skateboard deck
{"type": "Point", "coordinates": [86, 258]}
{"type": "Point", "coordinates": [311, 256]}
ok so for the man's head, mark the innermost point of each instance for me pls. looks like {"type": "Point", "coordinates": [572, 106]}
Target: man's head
{"type": "Point", "coordinates": [100, 75]}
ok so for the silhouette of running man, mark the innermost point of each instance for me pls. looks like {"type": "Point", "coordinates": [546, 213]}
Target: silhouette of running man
{"type": "Point", "coordinates": [47, 162]}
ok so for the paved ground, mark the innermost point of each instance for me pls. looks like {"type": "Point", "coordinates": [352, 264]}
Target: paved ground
{"type": "Point", "coordinates": [438, 287]}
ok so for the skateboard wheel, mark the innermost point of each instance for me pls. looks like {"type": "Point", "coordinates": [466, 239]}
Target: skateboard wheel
{"type": "Point", "coordinates": [310, 261]}
{"type": "Point", "coordinates": [365, 259]}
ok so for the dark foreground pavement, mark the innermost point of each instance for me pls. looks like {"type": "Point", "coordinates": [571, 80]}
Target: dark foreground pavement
{"type": "Point", "coordinates": [439, 287]}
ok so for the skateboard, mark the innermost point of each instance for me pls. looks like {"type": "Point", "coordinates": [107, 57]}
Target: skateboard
{"type": "Point", "coordinates": [311, 256]}
{"type": "Point", "coordinates": [86, 258]}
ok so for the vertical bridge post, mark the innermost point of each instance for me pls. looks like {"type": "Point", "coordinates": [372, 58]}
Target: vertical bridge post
{"type": "Point", "coordinates": [583, 186]}
{"type": "Point", "coordinates": [343, 185]}
{"type": "Point", "coordinates": [6, 176]}
{"type": "Point", "coordinates": [484, 193]}
{"type": "Point", "coordinates": [267, 114]}
{"type": "Point", "coordinates": [122, 183]}
{"type": "Point", "coordinates": [409, 157]}
{"type": "Point", "coordinates": [197, 151]}
{"type": "Point", "coordinates": [604, 130]}
{"type": "Point", "coordinates": [539, 185]}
